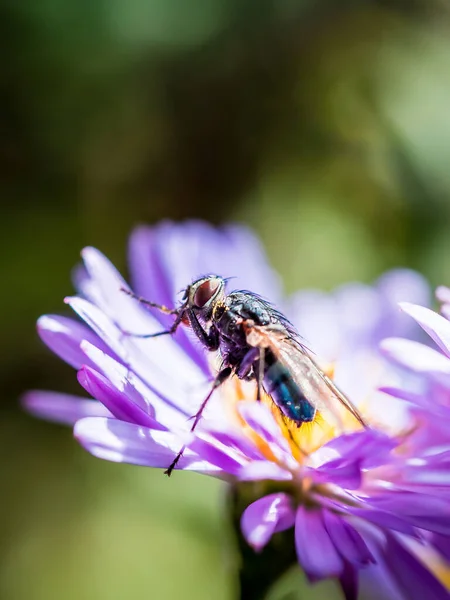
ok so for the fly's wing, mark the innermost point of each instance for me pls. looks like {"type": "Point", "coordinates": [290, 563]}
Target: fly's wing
{"type": "Point", "coordinates": [315, 385]}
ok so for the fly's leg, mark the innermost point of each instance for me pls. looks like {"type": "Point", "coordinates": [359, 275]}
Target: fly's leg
{"type": "Point", "coordinates": [168, 311]}
{"type": "Point", "coordinates": [141, 300]}
{"type": "Point", "coordinates": [221, 377]}
{"type": "Point", "coordinates": [260, 377]}
{"type": "Point", "coordinates": [169, 331]}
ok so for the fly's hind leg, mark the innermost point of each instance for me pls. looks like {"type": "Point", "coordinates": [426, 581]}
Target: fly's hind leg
{"type": "Point", "coordinates": [221, 377]}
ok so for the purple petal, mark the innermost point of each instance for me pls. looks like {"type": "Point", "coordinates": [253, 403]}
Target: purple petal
{"type": "Point", "coordinates": [120, 405]}
{"type": "Point", "coordinates": [265, 517]}
{"type": "Point", "coordinates": [154, 360]}
{"type": "Point", "coordinates": [217, 454]}
{"type": "Point", "coordinates": [63, 336]}
{"type": "Point", "coordinates": [436, 326]}
{"type": "Point", "coordinates": [259, 470]}
{"type": "Point", "coordinates": [442, 545]}
{"type": "Point", "coordinates": [316, 315]}
{"type": "Point", "coordinates": [402, 571]}
{"type": "Point", "coordinates": [347, 540]}
{"type": "Point", "coordinates": [345, 475]}
{"type": "Point", "coordinates": [100, 323]}
{"type": "Point", "coordinates": [233, 437]}
{"type": "Point", "coordinates": [361, 326]}
{"type": "Point", "coordinates": [370, 448]}
{"type": "Point", "coordinates": [152, 280]}
{"type": "Point", "coordinates": [181, 252]}
{"type": "Point", "coordinates": [408, 396]}
{"type": "Point", "coordinates": [119, 441]}
{"type": "Point", "coordinates": [415, 356]}
{"type": "Point", "coordinates": [62, 408]}
{"type": "Point", "coordinates": [383, 519]}
{"type": "Point", "coordinates": [122, 378]}
{"type": "Point", "coordinates": [316, 552]}
{"type": "Point", "coordinates": [429, 473]}
{"type": "Point", "coordinates": [443, 294]}
{"type": "Point", "coordinates": [404, 285]}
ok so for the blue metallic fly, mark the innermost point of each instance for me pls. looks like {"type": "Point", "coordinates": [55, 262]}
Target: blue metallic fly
{"type": "Point", "coordinates": [256, 342]}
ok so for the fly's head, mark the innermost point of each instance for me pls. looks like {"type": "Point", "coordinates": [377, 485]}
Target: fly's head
{"type": "Point", "coordinates": [203, 295]}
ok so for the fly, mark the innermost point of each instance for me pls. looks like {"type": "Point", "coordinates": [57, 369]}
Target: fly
{"type": "Point", "coordinates": [256, 342]}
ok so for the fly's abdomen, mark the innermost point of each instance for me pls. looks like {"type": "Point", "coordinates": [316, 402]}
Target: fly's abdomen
{"type": "Point", "coordinates": [286, 394]}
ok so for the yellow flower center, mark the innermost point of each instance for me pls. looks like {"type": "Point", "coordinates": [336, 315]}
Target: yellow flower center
{"type": "Point", "coordinates": [302, 440]}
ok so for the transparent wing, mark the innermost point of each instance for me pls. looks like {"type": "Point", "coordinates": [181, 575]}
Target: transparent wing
{"type": "Point", "coordinates": [315, 385]}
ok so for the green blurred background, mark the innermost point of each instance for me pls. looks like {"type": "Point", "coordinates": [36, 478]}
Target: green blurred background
{"type": "Point", "coordinates": [325, 125]}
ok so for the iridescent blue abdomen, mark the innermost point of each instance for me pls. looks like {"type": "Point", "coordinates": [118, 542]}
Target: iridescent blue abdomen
{"type": "Point", "coordinates": [286, 394]}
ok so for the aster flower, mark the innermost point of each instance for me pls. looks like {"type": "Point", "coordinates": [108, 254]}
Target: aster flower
{"type": "Point", "coordinates": [361, 508]}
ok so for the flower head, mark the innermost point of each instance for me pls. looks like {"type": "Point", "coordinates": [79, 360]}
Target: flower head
{"type": "Point", "coordinates": [359, 500]}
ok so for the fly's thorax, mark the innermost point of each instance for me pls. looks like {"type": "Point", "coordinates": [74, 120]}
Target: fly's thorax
{"type": "Point", "coordinates": [246, 305]}
{"type": "Point", "coordinates": [229, 325]}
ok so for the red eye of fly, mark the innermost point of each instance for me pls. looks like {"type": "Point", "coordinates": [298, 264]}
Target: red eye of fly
{"type": "Point", "coordinates": [205, 292]}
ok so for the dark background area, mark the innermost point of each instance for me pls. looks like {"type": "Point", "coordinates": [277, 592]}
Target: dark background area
{"type": "Point", "coordinates": [324, 125]}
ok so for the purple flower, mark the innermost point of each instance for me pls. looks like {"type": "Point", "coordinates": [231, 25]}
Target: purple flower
{"type": "Point", "coordinates": [362, 502]}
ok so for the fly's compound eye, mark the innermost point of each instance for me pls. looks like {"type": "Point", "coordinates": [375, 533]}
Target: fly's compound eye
{"type": "Point", "coordinates": [205, 292]}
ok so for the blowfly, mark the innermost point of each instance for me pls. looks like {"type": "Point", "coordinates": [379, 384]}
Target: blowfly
{"type": "Point", "coordinates": [255, 342]}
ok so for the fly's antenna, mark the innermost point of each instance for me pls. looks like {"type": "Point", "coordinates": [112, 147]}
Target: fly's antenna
{"type": "Point", "coordinates": [227, 279]}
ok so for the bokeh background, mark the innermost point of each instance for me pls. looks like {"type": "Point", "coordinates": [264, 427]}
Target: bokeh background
{"type": "Point", "coordinates": [323, 124]}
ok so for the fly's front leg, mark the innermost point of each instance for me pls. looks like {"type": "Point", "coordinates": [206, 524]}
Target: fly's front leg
{"type": "Point", "coordinates": [209, 339]}
{"type": "Point", "coordinates": [180, 312]}
{"type": "Point", "coordinates": [221, 377]}
{"type": "Point", "coordinates": [141, 300]}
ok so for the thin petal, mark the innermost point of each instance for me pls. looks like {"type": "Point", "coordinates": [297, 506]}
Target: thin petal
{"type": "Point", "coordinates": [347, 540]}
{"type": "Point", "coordinates": [401, 285]}
{"type": "Point", "coordinates": [316, 315]}
{"type": "Point", "coordinates": [227, 459]}
{"type": "Point", "coordinates": [345, 475]}
{"type": "Point", "coordinates": [370, 448]}
{"type": "Point", "coordinates": [385, 520]}
{"type": "Point", "coordinates": [402, 571]}
{"type": "Point", "coordinates": [122, 378]}
{"type": "Point", "coordinates": [423, 511]}
{"type": "Point", "coordinates": [120, 405]}
{"type": "Point", "coordinates": [415, 356]}
{"type": "Point", "coordinates": [437, 327]}
{"type": "Point", "coordinates": [64, 335]}
{"type": "Point", "coordinates": [154, 360]}
{"type": "Point", "coordinates": [100, 323]}
{"type": "Point", "coordinates": [315, 550]}
{"type": "Point", "coordinates": [442, 545]}
{"type": "Point", "coordinates": [119, 441]}
{"type": "Point", "coordinates": [259, 470]}
{"type": "Point", "coordinates": [62, 408]}
{"type": "Point", "coordinates": [266, 516]}
{"type": "Point", "coordinates": [443, 294]}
